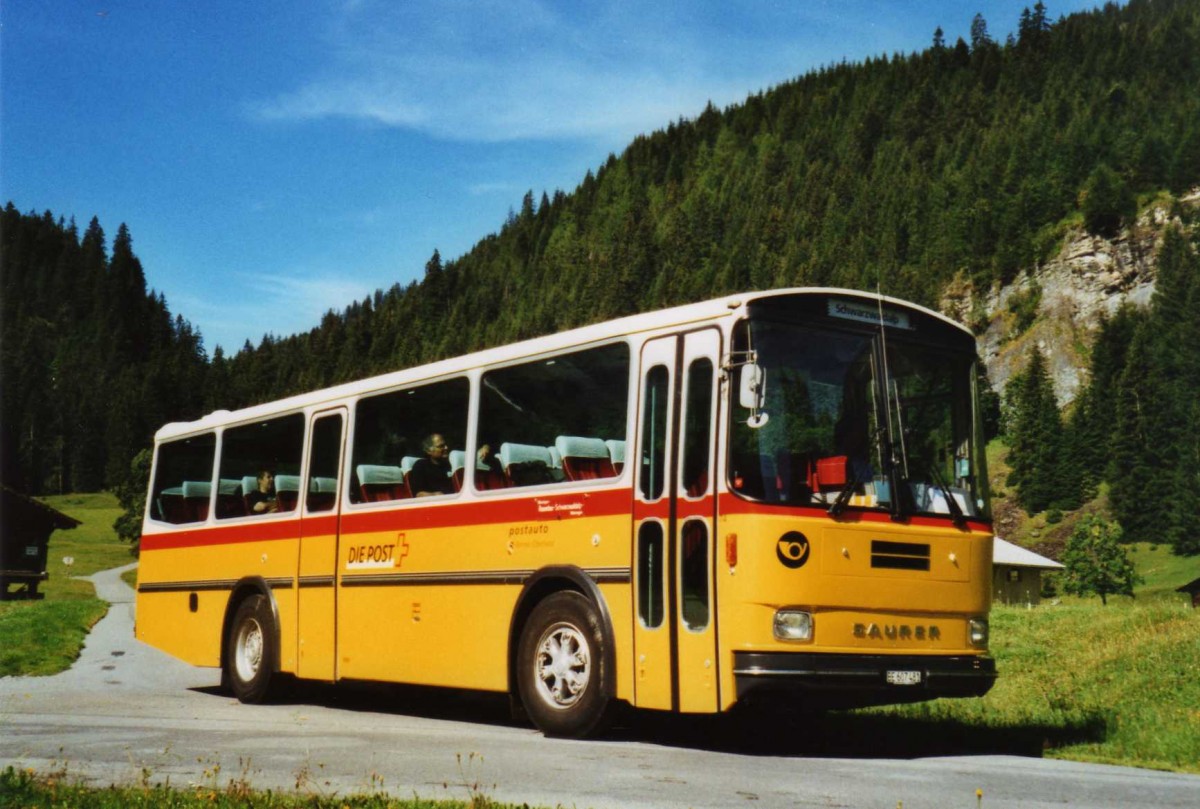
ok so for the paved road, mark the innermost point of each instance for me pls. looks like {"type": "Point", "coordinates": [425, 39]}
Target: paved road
{"type": "Point", "coordinates": [126, 713]}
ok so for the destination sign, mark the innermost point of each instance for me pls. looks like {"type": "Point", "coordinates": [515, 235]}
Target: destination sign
{"type": "Point", "coordinates": [864, 312]}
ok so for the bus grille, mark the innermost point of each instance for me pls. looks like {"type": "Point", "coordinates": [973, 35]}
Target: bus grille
{"type": "Point", "coordinates": [899, 555]}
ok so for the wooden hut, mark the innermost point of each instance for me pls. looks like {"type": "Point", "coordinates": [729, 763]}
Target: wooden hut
{"type": "Point", "coordinates": [1017, 573]}
{"type": "Point", "coordinates": [25, 528]}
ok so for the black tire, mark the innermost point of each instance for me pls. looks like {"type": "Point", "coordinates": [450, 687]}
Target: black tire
{"type": "Point", "coordinates": [562, 667]}
{"type": "Point", "coordinates": [249, 665]}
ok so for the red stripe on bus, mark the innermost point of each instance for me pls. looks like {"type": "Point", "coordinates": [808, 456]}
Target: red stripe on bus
{"type": "Point", "coordinates": [267, 531]}
{"type": "Point", "coordinates": [546, 508]}
{"type": "Point", "coordinates": [574, 505]}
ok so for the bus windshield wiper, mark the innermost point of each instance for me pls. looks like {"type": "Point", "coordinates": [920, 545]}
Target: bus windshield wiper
{"type": "Point", "coordinates": [839, 504]}
{"type": "Point", "coordinates": [956, 512]}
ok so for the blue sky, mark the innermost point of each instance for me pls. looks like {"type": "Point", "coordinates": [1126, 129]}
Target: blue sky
{"type": "Point", "coordinates": [274, 160]}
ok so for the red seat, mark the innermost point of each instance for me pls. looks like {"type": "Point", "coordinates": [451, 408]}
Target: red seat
{"type": "Point", "coordinates": [173, 506]}
{"type": "Point", "coordinates": [379, 483]}
{"type": "Point", "coordinates": [195, 495]}
{"type": "Point", "coordinates": [486, 479]}
{"type": "Point", "coordinates": [584, 458]}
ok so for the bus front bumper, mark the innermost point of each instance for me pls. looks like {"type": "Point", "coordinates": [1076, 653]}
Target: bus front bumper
{"type": "Point", "coordinates": [854, 680]}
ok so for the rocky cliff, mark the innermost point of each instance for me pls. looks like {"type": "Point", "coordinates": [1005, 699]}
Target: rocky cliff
{"type": "Point", "coordinates": [1058, 305]}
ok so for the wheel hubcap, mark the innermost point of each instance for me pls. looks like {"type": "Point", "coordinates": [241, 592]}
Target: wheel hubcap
{"type": "Point", "coordinates": [563, 666]}
{"type": "Point", "coordinates": [248, 651]}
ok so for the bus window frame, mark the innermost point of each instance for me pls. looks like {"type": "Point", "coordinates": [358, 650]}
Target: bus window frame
{"type": "Point", "coordinates": [295, 513]}
{"type": "Point", "coordinates": [312, 416]}
{"type": "Point", "coordinates": [351, 437]}
{"type": "Point", "coordinates": [921, 340]}
{"type": "Point", "coordinates": [147, 517]}
{"type": "Point", "coordinates": [631, 394]}
{"type": "Point", "coordinates": [713, 427]}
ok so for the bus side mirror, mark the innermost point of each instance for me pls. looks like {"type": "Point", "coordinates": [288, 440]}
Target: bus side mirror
{"type": "Point", "coordinates": [752, 393]}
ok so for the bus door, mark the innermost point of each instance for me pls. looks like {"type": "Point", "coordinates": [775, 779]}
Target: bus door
{"type": "Point", "coordinates": [317, 594]}
{"type": "Point", "coordinates": [675, 645]}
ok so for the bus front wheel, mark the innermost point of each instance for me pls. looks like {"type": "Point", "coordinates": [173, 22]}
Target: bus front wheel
{"type": "Point", "coordinates": [561, 668]}
{"type": "Point", "coordinates": [250, 650]}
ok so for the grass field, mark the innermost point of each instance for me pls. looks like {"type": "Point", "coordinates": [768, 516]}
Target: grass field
{"type": "Point", "coordinates": [44, 637]}
{"type": "Point", "coordinates": [1117, 684]}
{"type": "Point", "coordinates": [57, 791]}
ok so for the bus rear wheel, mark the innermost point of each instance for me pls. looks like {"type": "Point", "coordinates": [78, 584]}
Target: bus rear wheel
{"type": "Point", "coordinates": [250, 650]}
{"type": "Point", "coordinates": [560, 667]}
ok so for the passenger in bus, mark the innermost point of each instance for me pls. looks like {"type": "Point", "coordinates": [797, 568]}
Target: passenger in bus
{"type": "Point", "coordinates": [431, 474]}
{"type": "Point", "coordinates": [486, 459]}
{"type": "Point", "coordinates": [262, 500]}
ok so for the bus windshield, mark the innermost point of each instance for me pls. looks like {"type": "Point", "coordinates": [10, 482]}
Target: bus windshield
{"type": "Point", "coordinates": [854, 419]}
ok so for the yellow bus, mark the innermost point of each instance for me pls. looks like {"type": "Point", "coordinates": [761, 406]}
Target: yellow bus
{"type": "Point", "coordinates": [777, 497]}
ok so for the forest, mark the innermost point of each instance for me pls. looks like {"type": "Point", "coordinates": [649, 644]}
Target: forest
{"type": "Point", "coordinates": [964, 162]}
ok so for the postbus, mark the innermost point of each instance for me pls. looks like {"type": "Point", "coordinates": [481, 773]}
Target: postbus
{"type": "Point", "coordinates": [777, 497]}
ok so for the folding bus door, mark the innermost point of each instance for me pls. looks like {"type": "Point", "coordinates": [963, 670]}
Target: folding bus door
{"type": "Point", "coordinates": [317, 594]}
{"type": "Point", "coordinates": [675, 647]}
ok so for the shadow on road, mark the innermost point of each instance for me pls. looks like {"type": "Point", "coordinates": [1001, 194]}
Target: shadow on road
{"type": "Point", "coordinates": [777, 732]}
{"type": "Point", "coordinates": [855, 735]}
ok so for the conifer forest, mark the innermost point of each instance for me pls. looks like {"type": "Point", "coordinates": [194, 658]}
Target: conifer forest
{"type": "Point", "coordinates": [904, 173]}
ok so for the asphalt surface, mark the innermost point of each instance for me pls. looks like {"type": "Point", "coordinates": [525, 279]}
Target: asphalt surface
{"type": "Point", "coordinates": [126, 713]}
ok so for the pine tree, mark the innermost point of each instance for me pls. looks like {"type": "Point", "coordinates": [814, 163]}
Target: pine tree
{"type": "Point", "coordinates": [1091, 429]}
{"type": "Point", "coordinates": [1135, 471]}
{"type": "Point", "coordinates": [1036, 442]}
{"type": "Point", "coordinates": [980, 39]}
{"type": "Point", "coordinates": [1172, 430]}
{"type": "Point", "coordinates": [1106, 202]}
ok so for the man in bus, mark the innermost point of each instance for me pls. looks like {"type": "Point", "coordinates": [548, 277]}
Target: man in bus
{"type": "Point", "coordinates": [262, 500]}
{"type": "Point", "coordinates": [431, 474]}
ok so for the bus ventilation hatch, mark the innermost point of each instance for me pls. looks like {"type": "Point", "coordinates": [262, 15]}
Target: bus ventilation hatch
{"type": "Point", "coordinates": [899, 555]}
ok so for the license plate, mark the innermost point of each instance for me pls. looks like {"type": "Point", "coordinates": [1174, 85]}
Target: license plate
{"type": "Point", "coordinates": [904, 677]}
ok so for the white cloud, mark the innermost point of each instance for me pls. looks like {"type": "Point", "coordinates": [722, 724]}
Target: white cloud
{"type": "Point", "coordinates": [523, 70]}
{"type": "Point", "coordinates": [278, 304]}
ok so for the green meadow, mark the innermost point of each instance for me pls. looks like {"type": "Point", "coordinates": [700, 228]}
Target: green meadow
{"type": "Point", "coordinates": [45, 636]}
{"type": "Point", "coordinates": [1118, 684]}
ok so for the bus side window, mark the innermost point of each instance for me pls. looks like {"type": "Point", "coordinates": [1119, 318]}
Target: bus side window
{"type": "Point", "coordinates": [698, 428]}
{"type": "Point", "coordinates": [323, 463]}
{"type": "Point", "coordinates": [654, 432]}
{"type": "Point", "coordinates": [556, 420]}
{"type": "Point", "coordinates": [265, 457]}
{"type": "Point", "coordinates": [391, 432]}
{"type": "Point", "coordinates": [650, 574]}
{"type": "Point", "coordinates": [183, 480]}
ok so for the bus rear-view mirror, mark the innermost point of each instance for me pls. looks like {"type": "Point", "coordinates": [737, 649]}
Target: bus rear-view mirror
{"type": "Point", "coordinates": [752, 393]}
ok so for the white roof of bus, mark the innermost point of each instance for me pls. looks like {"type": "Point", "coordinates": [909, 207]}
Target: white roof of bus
{"type": "Point", "coordinates": [731, 305]}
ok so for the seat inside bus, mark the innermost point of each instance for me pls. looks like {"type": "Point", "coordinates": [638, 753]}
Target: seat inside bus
{"type": "Point", "coordinates": [525, 464]}
{"type": "Point", "coordinates": [377, 483]}
{"type": "Point", "coordinates": [584, 458]}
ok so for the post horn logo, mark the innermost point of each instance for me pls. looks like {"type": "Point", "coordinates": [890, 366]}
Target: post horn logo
{"type": "Point", "coordinates": [792, 549]}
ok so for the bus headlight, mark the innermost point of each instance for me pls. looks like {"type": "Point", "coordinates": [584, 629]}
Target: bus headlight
{"type": "Point", "coordinates": [794, 625]}
{"type": "Point", "coordinates": [977, 632]}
